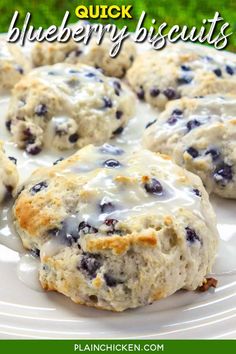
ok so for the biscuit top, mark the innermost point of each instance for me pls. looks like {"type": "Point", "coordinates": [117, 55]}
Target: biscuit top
{"type": "Point", "coordinates": [192, 62]}
{"type": "Point", "coordinates": [123, 185]}
{"type": "Point", "coordinates": [182, 71]}
{"type": "Point", "coordinates": [187, 114]}
{"type": "Point", "coordinates": [76, 83]}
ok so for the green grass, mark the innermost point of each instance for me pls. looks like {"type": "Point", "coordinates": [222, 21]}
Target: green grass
{"type": "Point", "coordinates": [191, 12]}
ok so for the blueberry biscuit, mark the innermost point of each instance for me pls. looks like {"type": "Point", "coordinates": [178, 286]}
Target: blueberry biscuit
{"type": "Point", "coordinates": [200, 135]}
{"type": "Point", "coordinates": [46, 53]}
{"type": "Point", "coordinates": [12, 65]}
{"type": "Point", "coordinates": [117, 230]}
{"type": "Point", "coordinates": [67, 106]}
{"type": "Point", "coordinates": [179, 71]}
{"type": "Point", "coordinates": [8, 174]}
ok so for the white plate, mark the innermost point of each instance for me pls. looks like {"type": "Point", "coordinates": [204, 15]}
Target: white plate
{"type": "Point", "coordinates": [27, 313]}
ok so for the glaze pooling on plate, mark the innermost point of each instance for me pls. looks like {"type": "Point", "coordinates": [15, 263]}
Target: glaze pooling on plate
{"type": "Point", "coordinates": [67, 106]}
{"type": "Point", "coordinates": [115, 232]}
{"type": "Point", "coordinates": [199, 134]}
{"type": "Point", "coordinates": [8, 234]}
{"type": "Point", "coordinates": [28, 271]}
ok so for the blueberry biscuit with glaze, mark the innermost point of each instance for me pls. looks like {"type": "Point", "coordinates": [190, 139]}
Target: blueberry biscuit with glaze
{"type": "Point", "coordinates": [117, 230]}
{"type": "Point", "coordinates": [13, 65]}
{"type": "Point", "coordinates": [182, 70]}
{"type": "Point", "coordinates": [8, 174]}
{"type": "Point", "coordinates": [67, 106]}
{"type": "Point", "coordinates": [200, 135]}
{"type": "Point", "coordinates": [46, 53]}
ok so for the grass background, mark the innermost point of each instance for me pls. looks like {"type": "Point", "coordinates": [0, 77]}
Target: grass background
{"type": "Point", "coordinates": [189, 12]}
